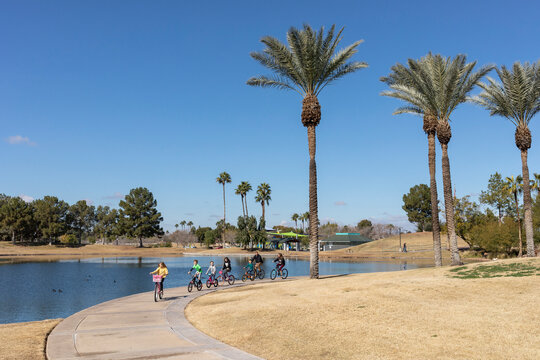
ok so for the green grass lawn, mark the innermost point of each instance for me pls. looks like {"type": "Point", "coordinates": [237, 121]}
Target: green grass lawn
{"type": "Point", "coordinates": [529, 268]}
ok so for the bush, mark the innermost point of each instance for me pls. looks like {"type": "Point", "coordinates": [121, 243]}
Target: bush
{"type": "Point", "coordinates": [68, 239]}
{"type": "Point", "coordinates": [495, 237]}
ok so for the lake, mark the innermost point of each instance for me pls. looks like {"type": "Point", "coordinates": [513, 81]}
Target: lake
{"type": "Point", "coordinates": [57, 289]}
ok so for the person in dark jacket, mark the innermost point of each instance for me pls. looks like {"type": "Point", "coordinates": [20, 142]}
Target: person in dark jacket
{"type": "Point", "coordinates": [280, 260]}
{"type": "Point", "coordinates": [257, 260]}
{"type": "Point", "coordinates": [226, 267]}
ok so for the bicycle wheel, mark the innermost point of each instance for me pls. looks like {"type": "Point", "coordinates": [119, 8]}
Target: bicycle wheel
{"type": "Point", "coordinates": [244, 277]}
{"type": "Point", "coordinates": [231, 279]}
{"type": "Point", "coordinates": [216, 283]}
{"type": "Point", "coordinates": [190, 286]}
{"type": "Point", "coordinates": [156, 293]}
{"type": "Point", "coordinates": [273, 274]}
{"type": "Point", "coordinates": [208, 283]}
{"type": "Point", "coordinates": [261, 274]}
{"type": "Point", "coordinates": [284, 273]}
{"type": "Point", "coordinates": [252, 276]}
{"type": "Point", "coordinates": [199, 286]}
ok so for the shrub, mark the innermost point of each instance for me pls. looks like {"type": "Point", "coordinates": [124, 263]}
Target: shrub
{"type": "Point", "coordinates": [68, 239]}
{"type": "Point", "coordinates": [495, 237]}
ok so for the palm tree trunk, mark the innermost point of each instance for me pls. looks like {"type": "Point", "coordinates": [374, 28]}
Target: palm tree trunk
{"type": "Point", "coordinates": [262, 203]}
{"type": "Point", "coordinates": [527, 205]}
{"type": "Point", "coordinates": [519, 225]}
{"type": "Point", "coordinates": [245, 201]}
{"type": "Point", "coordinates": [243, 210]}
{"type": "Point", "coordinates": [434, 201]}
{"type": "Point", "coordinates": [13, 237]}
{"type": "Point", "coordinates": [449, 205]}
{"type": "Point", "coordinates": [313, 211]}
{"type": "Point", "coordinates": [224, 222]}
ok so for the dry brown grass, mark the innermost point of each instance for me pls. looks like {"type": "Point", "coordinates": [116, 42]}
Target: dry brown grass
{"type": "Point", "coordinates": [415, 314]}
{"type": "Point", "coordinates": [25, 340]}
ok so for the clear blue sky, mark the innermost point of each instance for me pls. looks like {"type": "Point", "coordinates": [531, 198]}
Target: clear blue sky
{"type": "Point", "coordinates": [98, 97]}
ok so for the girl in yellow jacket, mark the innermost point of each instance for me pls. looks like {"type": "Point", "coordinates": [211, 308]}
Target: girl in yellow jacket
{"type": "Point", "coordinates": [163, 272]}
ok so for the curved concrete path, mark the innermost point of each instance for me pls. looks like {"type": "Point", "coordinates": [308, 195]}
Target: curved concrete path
{"type": "Point", "coordinates": [136, 327]}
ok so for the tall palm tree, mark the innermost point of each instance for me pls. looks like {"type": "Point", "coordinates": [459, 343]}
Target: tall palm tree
{"type": "Point", "coordinates": [176, 226]}
{"type": "Point", "coordinates": [306, 218]}
{"type": "Point", "coordinates": [295, 217]}
{"type": "Point", "coordinates": [518, 100]}
{"type": "Point", "coordinates": [223, 178]}
{"type": "Point", "coordinates": [408, 85]}
{"type": "Point", "coordinates": [239, 191]}
{"type": "Point", "coordinates": [190, 224]}
{"type": "Point", "coordinates": [447, 83]}
{"type": "Point", "coordinates": [183, 224]}
{"type": "Point", "coordinates": [245, 187]}
{"type": "Point", "coordinates": [307, 65]}
{"type": "Point", "coordinates": [515, 187]}
{"type": "Point", "coordinates": [263, 196]}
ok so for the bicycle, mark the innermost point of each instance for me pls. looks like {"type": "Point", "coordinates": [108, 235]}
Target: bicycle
{"type": "Point", "coordinates": [195, 281]}
{"type": "Point", "coordinates": [248, 275]}
{"type": "Point", "coordinates": [212, 280]}
{"type": "Point", "coordinates": [228, 278]}
{"type": "Point", "coordinates": [275, 272]}
{"type": "Point", "coordinates": [259, 273]}
{"type": "Point", "coordinates": [158, 292]}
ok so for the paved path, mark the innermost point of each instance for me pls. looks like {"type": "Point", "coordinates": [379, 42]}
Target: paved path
{"type": "Point", "coordinates": [136, 327]}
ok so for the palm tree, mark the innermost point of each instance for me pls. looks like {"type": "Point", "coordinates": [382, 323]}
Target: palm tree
{"type": "Point", "coordinates": [447, 83]}
{"type": "Point", "coordinates": [190, 224]}
{"type": "Point", "coordinates": [518, 100]}
{"type": "Point", "coordinates": [183, 223]}
{"type": "Point", "coordinates": [515, 187]}
{"type": "Point", "coordinates": [407, 85]}
{"type": "Point", "coordinates": [223, 178]}
{"type": "Point", "coordinates": [306, 218]}
{"type": "Point", "coordinates": [295, 217]}
{"type": "Point", "coordinates": [263, 196]}
{"type": "Point", "coordinates": [307, 65]}
{"type": "Point", "coordinates": [176, 226]}
{"type": "Point", "coordinates": [245, 187]}
{"type": "Point", "coordinates": [536, 185]}
{"type": "Point", "coordinates": [239, 191]}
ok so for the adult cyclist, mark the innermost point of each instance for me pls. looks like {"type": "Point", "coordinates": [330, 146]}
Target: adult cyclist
{"type": "Point", "coordinates": [257, 260]}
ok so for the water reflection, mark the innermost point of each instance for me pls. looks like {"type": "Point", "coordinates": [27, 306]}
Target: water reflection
{"type": "Point", "coordinates": [52, 289]}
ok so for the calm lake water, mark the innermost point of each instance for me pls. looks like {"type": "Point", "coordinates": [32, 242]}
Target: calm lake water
{"type": "Point", "coordinates": [45, 290]}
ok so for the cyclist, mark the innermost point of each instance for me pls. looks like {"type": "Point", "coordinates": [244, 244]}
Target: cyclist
{"type": "Point", "coordinates": [163, 272]}
{"type": "Point", "coordinates": [197, 268]}
{"type": "Point", "coordinates": [280, 260]}
{"type": "Point", "coordinates": [226, 269]}
{"type": "Point", "coordinates": [258, 260]}
{"type": "Point", "coordinates": [212, 270]}
{"type": "Point", "coordinates": [249, 267]}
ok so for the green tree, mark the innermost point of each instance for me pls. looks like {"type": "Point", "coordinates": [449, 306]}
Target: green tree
{"type": "Point", "coordinates": [417, 205]}
{"type": "Point", "coordinates": [106, 226]}
{"type": "Point", "coordinates": [408, 83]}
{"type": "Point", "coordinates": [200, 233]}
{"type": "Point", "coordinates": [51, 215]}
{"type": "Point", "coordinates": [210, 237]}
{"type": "Point", "coordinates": [245, 187]}
{"type": "Point", "coordinates": [82, 218]}
{"type": "Point", "coordinates": [224, 178]}
{"type": "Point", "coordinates": [15, 216]}
{"type": "Point", "coordinates": [496, 195]}
{"type": "Point", "coordinates": [518, 100]}
{"type": "Point", "coordinates": [468, 215]}
{"type": "Point", "coordinates": [364, 224]}
{"type": "Point", "coordinates": [263, 196]}
{"type": "Point", "coordinates": [139, 217]}
{"type": "Point", "coordinates": [494, 236]}
{"type": "Point", "coordinates": [514, 186]}
{"type": "Point", "coordinates": [307, 65]}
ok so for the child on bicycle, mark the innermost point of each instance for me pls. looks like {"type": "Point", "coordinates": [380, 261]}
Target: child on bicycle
{"type": "Point", "coordinates": [226, 269]}
{"type": "Point", "coordinates": [212, 270]}
{"type": "Point", "coordinates": [249, 267]}
{"type": "Point", "coordinates": [197, 268]}
{"type": "Point", "coordinates": [161, 271]}
{"type": "Point", "coordinates": [280, 260]}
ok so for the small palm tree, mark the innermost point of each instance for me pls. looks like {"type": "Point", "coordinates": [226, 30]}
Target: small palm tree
{"type": "Point", "coordinates": [515, 187]}
{"type": "Point", "coordinates": [406, 83]}
{"type": "Point", "coordinates": [295, 217]}
{"type": "Point", "coordinates": [245, 187]}
{"type": "Point", "coordinates": [239, 191]}
{"type": "Point", "coordinates": [183, 224]}
{"type": "Point", "coordinates": [447, 83]}
{"type": "Point", "coordinates": [223, 178]}
{"type": "Point", "coordinates": [536, 184]}
{"type": "Point", "coordinates": [263, 196]}
{"type": "Point", "coordinates": [307, 65]}
{"type": "Point", "coordinates": [306, 218]}
{"type": "Point", "coordinates": [176, 226]}
{"type": "Point", "coordinates": [518, 100]}
{"type": "Point", "coordinates": [190, 224]}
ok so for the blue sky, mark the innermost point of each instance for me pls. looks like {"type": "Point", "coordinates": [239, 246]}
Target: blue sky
{"type": "Point", "coordinates": [99, 97]}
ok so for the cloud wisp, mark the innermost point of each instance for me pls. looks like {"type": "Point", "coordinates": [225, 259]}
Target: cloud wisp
{"type": "Point", "coordinates": [114, 196]}
{"type": "Point", "coordinates": [26, 198]}
{"type": "Point", "coordinates": [340, 203]}
{"type": "Point", "coordinates": [20, 140]}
